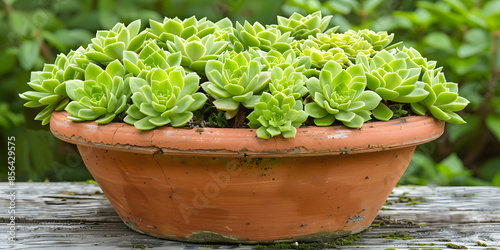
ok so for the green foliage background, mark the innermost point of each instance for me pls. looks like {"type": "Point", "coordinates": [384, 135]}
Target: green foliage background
{"type": "Point", "coordinates": [462, 35]}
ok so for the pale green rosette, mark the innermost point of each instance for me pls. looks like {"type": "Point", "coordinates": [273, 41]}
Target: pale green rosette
{"type": "Point", "coordinates": [257, 36]}
{"type": "Point", "coordinates": [150, 57]}
{"type": "Point", "coordinates": [109, 45]}
{"type": "Point", "coordinates": [175, 27]}
{"type": "Point", "coordinates": [197, 51]}
{"type": "Point", "coordinates": [234, 79]}
{"type": "Point", "coordinates": [443, 99]}
{"type": "Point", "coordinates": [394, 77]}
{"type": "Point", "coordinates": [340, 94]}
{"type": "Point", "coordinates": [277, 114]}
{"type": "Point", "coordinates": [101, 97]}
{"type": "Point", "coordinates": [164, 97]}
{"type": "Point", "coordinates": [49, 85]}
{"type": "Point", "coordinates": [301, 27]}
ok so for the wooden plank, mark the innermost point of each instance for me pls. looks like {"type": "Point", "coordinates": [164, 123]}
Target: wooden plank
{"type": "Point", "coordinates": [61, 201]}
{"type": "Point", "coordinates": [62, 215]}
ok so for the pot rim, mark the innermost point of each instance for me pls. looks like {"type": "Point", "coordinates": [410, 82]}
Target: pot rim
{"type": "Point", "coordinates": [242, 142]}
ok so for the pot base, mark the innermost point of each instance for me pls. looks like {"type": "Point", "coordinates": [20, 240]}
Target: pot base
{"type": "Point", "coordinates": [210, 237]}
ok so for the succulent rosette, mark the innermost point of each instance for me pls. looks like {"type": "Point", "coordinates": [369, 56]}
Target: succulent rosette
{"type": "Point", "coordinates": [351, 45]}
{"type": "Point", "coordinates": [421, 61]}
{"type": "Point", "coordinates": [340, 94]}
{"type": "Point", "coordinates": [319, 57]}
{"type": "Point", "coordinates": [277, 114]}
{"type": "Point", "coordinates": [378, 40]}
{"type": "Point", "coordinates": [175, 27]}
{"type": "Point", "coordinates": [164, 97]}
{"type": "Point", "coordinates": [101, 97]}
{"type": "Point", "coordinates": [443, 99]}
{"type": "Point", "coordinates": [234, 79]}
{"type": "Point", "coordinates": [274, 59]}
{"type": "Point", "coordinates": [395, 77]}
{"type": "Point", "coordinates": [288, 81]}
{"type": "Point", "coordinates": [151, 56]}
{"type": "Point", "coordinates": [301, 27]}
{"type": "Point", "coordinates": [197, 51]}
{"type": "Point", "coordinates": [49, 85]}
{"type": "Point", "coordinates": [257, 36]}
{"type": "Point", "coordinates": [109, 45]}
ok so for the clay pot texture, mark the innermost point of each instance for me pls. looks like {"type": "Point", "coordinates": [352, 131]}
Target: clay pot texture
{"type": "Point", "coordinates": [227, 185]}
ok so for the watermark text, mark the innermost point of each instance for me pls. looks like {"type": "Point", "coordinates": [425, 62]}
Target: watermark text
{"type": "Point", "coordinates": [11, 193]}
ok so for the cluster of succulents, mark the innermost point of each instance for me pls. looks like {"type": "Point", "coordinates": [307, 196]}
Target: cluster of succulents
{"type": "Point", "coordinates": [49, 85]}
{"type": "Point", "coordinates": [276, 76]}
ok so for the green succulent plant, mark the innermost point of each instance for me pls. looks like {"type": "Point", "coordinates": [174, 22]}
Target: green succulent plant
{"type": "Point", "coordinates": [351, 45]}
{"type": "Point", "coordinates": [421, 61]}
{"type": "Point", "coordinates": [150, 57]}
{"type": "Point", "coordinates": [275, 58]}
{"type": "Point", "coordinates": [101, 97]}
{"type": "Point", "coordinates": [164, 97]}
{"type": "Point", "coordinates": [340, 94]}
{"type": "Point", "coordinates": [109, 45]}
{"type": "Point", "coordinates": [234, 79]}
{"type": "Point", "coordinates": [49, 85]}
{"type": "Point", "coordinates": [365, 42]}
{"type": "Point", "coordinates": [277, 114]}
{"type": "Point", "coordinates": [378, 40]}
{"type": "Point", "coordinates": [319, 57]}
{"type": "Point", "coordinates": [197, 51]}
{"type": "Point", "coordinates": [301, 27]}
{"type": "Point", "coordinates": [443, 99]}
{"type": "Point", "coordinates": [394, 77]}
{"type": "Point", "coordinates": [257, 36]}
{"type": "Point", "coordinates": [175, 27]}
{"type": "Point", "coordinates": [288, 81]}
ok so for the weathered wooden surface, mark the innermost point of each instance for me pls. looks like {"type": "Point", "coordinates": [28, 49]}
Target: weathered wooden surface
{"type": "Point", "coordinates": [77, 216]}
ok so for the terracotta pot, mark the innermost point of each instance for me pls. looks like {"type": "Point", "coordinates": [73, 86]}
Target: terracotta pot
{"type": "Point", "coordinates": [226, 185]}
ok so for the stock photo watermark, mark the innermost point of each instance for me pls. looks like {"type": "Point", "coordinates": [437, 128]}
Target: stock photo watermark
{"type": "Point", "coordinates": [11, 192]}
